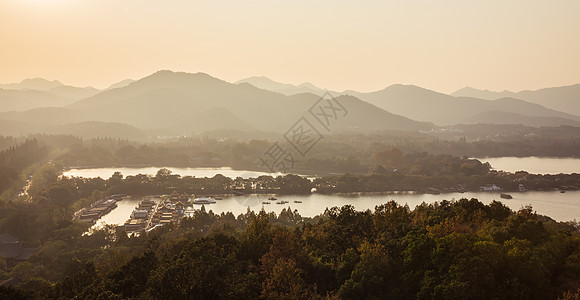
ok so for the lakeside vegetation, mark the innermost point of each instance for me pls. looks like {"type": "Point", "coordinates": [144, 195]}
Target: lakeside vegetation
{"type": "Point", "coordinates": [164, 182]}
{"type": "Point", "coordinates": [335, 154]}
{"type": "Point", "coordinates": [51, 199]}
{"type": "Point", "coordinates": [461, 249]}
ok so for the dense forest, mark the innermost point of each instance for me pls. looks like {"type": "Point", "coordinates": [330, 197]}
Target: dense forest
{"type": "Point", "coordinates": [15, 162]}
{"type": "Point", "coordinates": [334, 154]}
{"type": "Point", "coordinates": [450, 250]}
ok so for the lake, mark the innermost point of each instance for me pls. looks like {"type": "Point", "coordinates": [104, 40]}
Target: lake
{"type": "Point", "coordinates": [534, 165]}
{"type": "Point", "coordinates": [106, 173]}
{"type": "Point", "coordinates": [559, 206]}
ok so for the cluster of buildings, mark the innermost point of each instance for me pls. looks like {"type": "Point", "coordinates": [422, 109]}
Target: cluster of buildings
{"type": "Point", "coordinates": [140, 216]}
{"type": "Point", "coordinates": [495, 188]}
{"type": "Point", "coordinates": [98, 209]}
{"type": "Point", "coordinates": [150, 215]}
{"type": "Point", "coordinates": [489, 188]}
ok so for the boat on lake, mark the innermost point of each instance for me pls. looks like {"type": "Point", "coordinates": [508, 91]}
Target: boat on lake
{"type": "Point", "coordinates": [506, 196]}
{"type": "Point", "coordinates": [272, 198]}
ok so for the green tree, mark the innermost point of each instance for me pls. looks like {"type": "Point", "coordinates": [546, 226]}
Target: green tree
{"type": "Point", "coordinates": [285, 282]}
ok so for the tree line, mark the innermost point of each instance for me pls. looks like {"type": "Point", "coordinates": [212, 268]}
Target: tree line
{"type": "Point", "coordinates": [337, 153]}
{"type": "Point", "coordinates": [446, 250]}
{"type": "Point", "coordinates": [164, 182]}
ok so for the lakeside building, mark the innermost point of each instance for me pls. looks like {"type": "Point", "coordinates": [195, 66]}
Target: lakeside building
{"type": "Point", "coordinates": [490, 188]}
{"type": "Point", "coordinates": [13, 250]}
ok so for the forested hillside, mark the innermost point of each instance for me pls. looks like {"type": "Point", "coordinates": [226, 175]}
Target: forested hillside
{"type": "Point", "coordinates": [446, 250]}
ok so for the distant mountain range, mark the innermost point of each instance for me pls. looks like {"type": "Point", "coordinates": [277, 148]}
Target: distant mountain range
{"type": "Point", "coordinates": [544, 107]}
{"type": "Point", "coordinates": [177, 103]}
{"type": "Point", "coordinates": [282, 88]}
{"type": "Point", "coordinates": [120, 84]}
{"type": "Point", "coordinates": [425, 105]}
{"type": "Point", "coordinates": [565, 98]}
{"type": "Point", "coordinates": [182, 103]}
{"type": "Point", "coordinates": [38, 84]}
{"type": "Point", "coordinates": [19, 100]}
{"type": "Point", "coordinates": [38, 92]}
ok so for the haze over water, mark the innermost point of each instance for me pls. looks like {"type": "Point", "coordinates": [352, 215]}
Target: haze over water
{"type": "Point", "coordinates": [559, 206]}
{"type": "Point", "coordinates": [534, 165]}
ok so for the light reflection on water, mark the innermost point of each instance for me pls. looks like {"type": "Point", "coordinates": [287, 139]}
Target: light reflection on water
{"type": "Point", "coordinates": [535, 165]}
{"type": "Point", "coordinates": [559, 206]}
{"type": "Point", "coordinates": [106, 173]}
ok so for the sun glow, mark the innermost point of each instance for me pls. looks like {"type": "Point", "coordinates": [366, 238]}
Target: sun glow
{"type": "Point", "coordinates": [47, 3]}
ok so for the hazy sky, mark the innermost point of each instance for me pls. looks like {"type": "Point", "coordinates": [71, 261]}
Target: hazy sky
{"type": "Point", "coordinates": [363, 45]}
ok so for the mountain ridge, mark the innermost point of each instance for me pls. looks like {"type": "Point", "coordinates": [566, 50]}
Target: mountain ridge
{"type": "Point", "coordinates": [35, 83]}
{"type": "Point", "coordinates": [181, 103]}
{"type": "Point", "coordinates": [563, 98]}
{"type": "Point", "coordinates": [421, 97]}
{"type": "Point", "coordinates": [189, 102]}
{"type": "Point", "coordinates": [287, 89]}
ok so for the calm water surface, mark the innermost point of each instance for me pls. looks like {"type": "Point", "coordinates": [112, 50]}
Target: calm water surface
{"type": "Point", "coordinates": [106, 173]}
{"type": "Point", "coordinates": [559, 206]}
{"type": "Point", "coordinates": [535, 165]}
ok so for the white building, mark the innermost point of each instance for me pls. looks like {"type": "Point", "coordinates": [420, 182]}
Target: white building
{"type": "Point", "coordinates": [490, 188]}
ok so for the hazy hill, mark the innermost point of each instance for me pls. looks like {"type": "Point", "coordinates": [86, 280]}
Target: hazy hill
{"type": "Point", "coordinates": [122, 83]}
{"type": "Point", "coordinates": [482, 94]}
{"type": "Point", "coordinates": [18, 100]}
{"type": "Point", "coordinates": [39, 92]}
{"type": "Point", "coordinates": [182, 103]}
{"type": "Point", "coordinates": [168, 99]}
{"type": "Point", "coordinates": [566, 98]}
{"type": "Point", "coordinates": [39, 84]}
{"type": "Point", "coordinates": [94, 129]}
{"type": "Point", "coordinates": [89, 129]}
{"type": "Point", "coordinates": [283, 88]}
{"type": "Point", "coordinates": [73, 93]}
{"type": "Point", "coordinates": [446, 110]}
{"type": "Point", "coordinates": [241, 135]}
{"type": "Point", "coordinates": [366, 117]}
{"type": "Point", "coordinates": [502, 117]}
{"type": "Point", "coordinates": [188, 102]}
{"type": "Point", "coordinates": [46, 116]}
{"type": "Point", "coordinates": [18, 128]}
{"type": "Point", "coordinates": [426, 105]}
{"type": "Point", "coordinates": [213, 119]}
